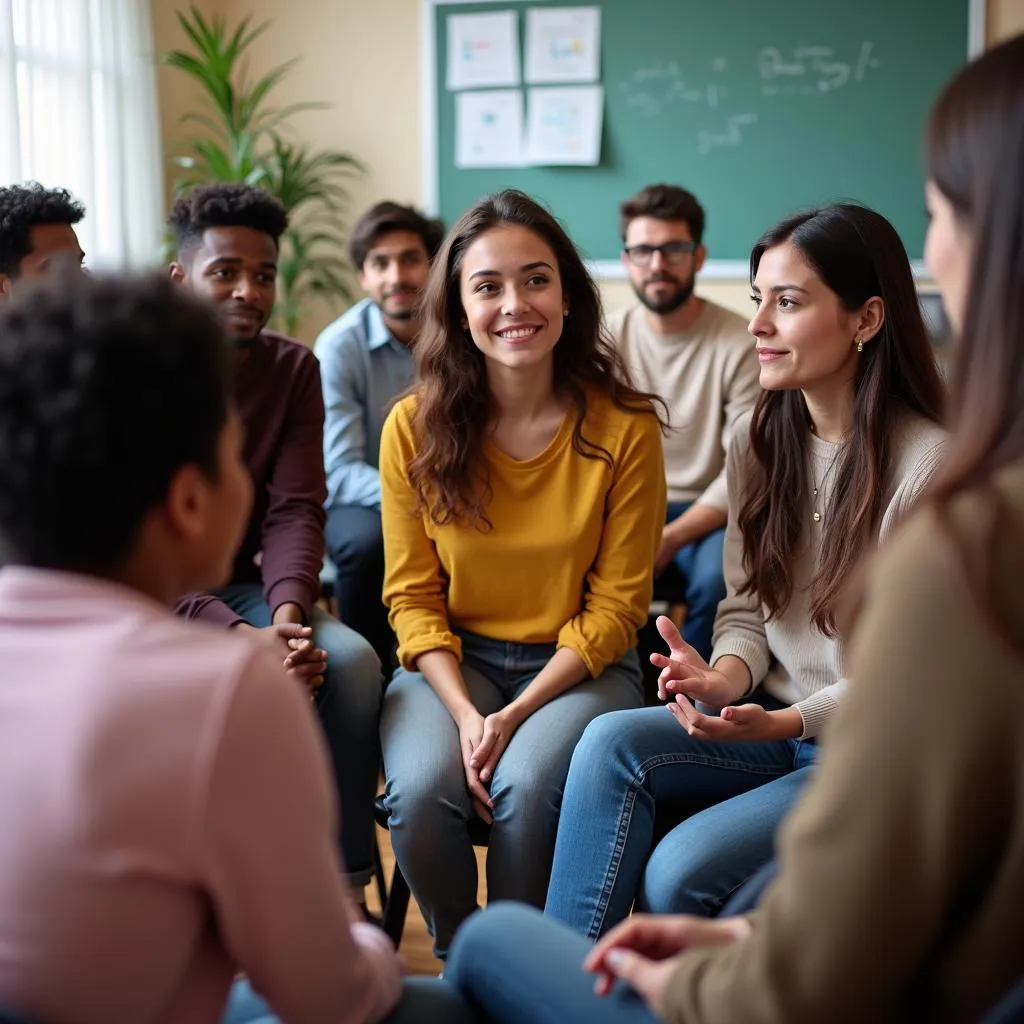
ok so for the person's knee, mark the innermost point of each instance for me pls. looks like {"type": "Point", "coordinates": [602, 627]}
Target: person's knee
{"type": "Point", "coordinates": [607, 740]}
{"type": "Point", "coordinates": [351, 659]}
{"type": "Point", "coordinates": [484, 935]}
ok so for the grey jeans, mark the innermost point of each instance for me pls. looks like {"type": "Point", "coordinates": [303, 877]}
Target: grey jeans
{"type": "Point", "coordinates": [426, 794]}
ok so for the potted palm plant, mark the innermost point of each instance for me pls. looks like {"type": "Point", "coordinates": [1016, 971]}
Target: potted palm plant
{"type": "Point", "coordinates": [242, 136]}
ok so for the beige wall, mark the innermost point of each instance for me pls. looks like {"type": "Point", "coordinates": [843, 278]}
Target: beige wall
{"type": "Point", "coordinates": [363, 56]}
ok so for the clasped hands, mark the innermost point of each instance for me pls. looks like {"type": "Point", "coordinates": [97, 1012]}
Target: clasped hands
{"type": "Point", "coordinates": [482, 742]}
{"type": "Point", "coordinates": [292, 641]}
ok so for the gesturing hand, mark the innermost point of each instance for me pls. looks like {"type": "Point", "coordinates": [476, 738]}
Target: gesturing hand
{"type": "Point", "coordinates": [471, 732]}
{"type": "Point", "coordinates": [685, 671]}
{"type": "Point", "coordinates": [641, 951]}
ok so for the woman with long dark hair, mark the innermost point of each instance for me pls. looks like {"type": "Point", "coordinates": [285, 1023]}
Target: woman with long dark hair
{"type": "Point", "coordinates": [840, 444]}
{"type": "Point", "coordinates": [523, 497]}
{"type": "Point", "coordinates": [902, 870]}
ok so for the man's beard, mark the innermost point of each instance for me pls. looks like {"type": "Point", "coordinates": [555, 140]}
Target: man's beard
{"type": "Point", "coordinates": [668, 303]}
{"type": "Point", "coordinates": [402, 314]}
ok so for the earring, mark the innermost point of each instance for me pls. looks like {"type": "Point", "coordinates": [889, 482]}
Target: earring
{"type": "Point", "coordinates": [565, 312]}
{"type": "Point", "coordinates": [860, 345]}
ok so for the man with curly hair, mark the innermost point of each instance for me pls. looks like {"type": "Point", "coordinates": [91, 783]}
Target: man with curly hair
{"type": "Point", "coordinates": [36, 230]}
{"type": "Point", "coordinates": [227, 252]}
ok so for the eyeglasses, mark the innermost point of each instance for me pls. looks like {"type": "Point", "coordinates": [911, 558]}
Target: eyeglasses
{"type": "Point", "coordinates": [671, 253]}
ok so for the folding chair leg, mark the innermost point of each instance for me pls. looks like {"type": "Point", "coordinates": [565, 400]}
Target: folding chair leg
{"type": "Point", "coordinates": [396, 907]}
{"type": "Point", "coordinates": [378, 873]}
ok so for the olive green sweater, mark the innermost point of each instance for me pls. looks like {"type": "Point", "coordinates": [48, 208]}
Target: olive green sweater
{"type": "Point", "coordinates": [901, 893]}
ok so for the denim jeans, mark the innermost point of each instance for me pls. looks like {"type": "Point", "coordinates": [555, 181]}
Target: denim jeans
{"type": "Point", "coordinates": [632, 773]}
{"type": "Point", "coordinates": [348, 708]}
{"type": "Point", "coordinates": [424, 1001]}
{"type": "Point", "coordinates": [700, 565]}
{"type": "Point", "coordinates": [355, 544]}
{"type": "Point", "coordinates": [518, 966]}
{"type": "Point", "coordinates": [426, 793]}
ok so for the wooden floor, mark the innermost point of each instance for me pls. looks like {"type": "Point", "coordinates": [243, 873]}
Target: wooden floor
{"type": "Point", "coordinates": [416, 942]}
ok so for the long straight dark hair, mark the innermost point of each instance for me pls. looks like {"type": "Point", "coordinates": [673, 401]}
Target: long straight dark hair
{"type": "Point", "coordinates": [975, 156]}
{"type": "Point", "coordinates": [455, 406]}
{"type": "Point", "coordinates": [858, 255]}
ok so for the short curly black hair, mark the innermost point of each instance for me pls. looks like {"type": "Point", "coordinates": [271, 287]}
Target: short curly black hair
{"type": "Point", "coordinates": [219, 206]}
{"type": "Point", "coordinates": [108, 387]}
{"type": "Point", "coordinates": [24, 206]}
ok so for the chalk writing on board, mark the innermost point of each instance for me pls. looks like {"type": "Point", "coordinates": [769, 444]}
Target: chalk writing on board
{"type": "Point", "coordinates": [816, 68]}
{"type": "Point", "coordinates": [731, 136]}
{"type": "Point", "coordinates": [650, 88]}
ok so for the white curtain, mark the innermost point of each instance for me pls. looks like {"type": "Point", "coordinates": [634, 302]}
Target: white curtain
{"type": "Point", "coordinates": [78, 110]}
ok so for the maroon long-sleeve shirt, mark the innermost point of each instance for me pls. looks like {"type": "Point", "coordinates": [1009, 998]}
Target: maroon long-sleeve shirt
{"type": "Point", "coordinates": [277, 391]}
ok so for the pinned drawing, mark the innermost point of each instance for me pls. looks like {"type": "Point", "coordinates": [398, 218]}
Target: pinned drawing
{"type": "Point", "coordinates": [483, 50]}
{"type": "Point", "coordinates": [489, 128]}
{"type": "Point", "coordinates": [563, 44]}
{"type": "Point", "coordinates": [564, 126]}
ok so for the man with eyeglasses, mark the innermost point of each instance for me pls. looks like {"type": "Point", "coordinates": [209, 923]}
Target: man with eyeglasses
{"type": "Point", "coordinates": [699, 358]}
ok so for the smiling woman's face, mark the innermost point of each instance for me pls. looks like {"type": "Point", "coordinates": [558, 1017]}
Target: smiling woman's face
{"type": "Point", "coordinates": [511, 293]}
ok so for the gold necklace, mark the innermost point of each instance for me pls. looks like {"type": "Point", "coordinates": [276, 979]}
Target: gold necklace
{"type": "Point", "coordinates": [815, 514]}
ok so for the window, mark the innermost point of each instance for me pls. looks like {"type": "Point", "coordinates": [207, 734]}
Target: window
{"type": "Point", "coordinates": [78, 110]}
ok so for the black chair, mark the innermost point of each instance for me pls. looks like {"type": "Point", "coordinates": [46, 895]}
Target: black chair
{"type": "Point", "coordinates": [396, 906]}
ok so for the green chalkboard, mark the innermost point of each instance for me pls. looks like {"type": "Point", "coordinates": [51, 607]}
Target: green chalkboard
{"type": "Point", "coordinates": [760, 107]}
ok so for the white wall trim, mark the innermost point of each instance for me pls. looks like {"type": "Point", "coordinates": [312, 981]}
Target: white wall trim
{"type": "Point", "coordinates": [977, 27]}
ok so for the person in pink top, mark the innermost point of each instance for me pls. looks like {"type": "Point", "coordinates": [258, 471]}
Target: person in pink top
{"type": "Point", "coordinates": [167, 819]}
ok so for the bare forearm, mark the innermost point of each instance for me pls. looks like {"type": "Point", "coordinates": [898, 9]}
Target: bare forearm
{"type": "Point", "coordinates": [737, 672]}
{"type": "Point", "coordinates": [441, 670]}
{"type": "Point", "coordinates": [564, 671]}
{"type": "Point", "coordinates": [289, 612]}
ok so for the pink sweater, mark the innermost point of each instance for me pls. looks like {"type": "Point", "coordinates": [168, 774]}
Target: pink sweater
{"type": "Point", "coordinates": [166, 820]}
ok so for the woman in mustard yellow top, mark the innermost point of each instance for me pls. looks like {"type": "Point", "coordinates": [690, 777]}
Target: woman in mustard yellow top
{"type": "Point", "coordinates": [523, 494]}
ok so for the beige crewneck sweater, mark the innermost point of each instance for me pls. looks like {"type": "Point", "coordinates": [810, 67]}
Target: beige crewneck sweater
{"type": "Point", "coordinates": [796, 663]}
{"type": "Point", "coordinates": [708, 377]}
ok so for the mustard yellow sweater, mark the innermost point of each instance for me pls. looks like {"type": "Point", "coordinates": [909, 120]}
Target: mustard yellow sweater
{"type": "Point", "coordinates": [568, 560]}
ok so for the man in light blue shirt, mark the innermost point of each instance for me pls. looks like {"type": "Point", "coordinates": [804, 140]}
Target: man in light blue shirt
{"type": "Point", "coordinates": [365, 363]}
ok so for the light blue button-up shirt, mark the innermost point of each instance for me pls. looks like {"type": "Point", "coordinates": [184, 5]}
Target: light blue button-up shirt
{"type": "Point", "coordinates": [362, 370]}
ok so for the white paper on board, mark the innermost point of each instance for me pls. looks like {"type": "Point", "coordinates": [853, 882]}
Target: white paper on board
{"type": "Point", "coordinates": [489, 128]}
{"type": "Point", "coordinates": [563, 44]}
{"type": "Point", "coordinates": [564, 125]}
{"type": "Point", "coordinates": [483, 50]}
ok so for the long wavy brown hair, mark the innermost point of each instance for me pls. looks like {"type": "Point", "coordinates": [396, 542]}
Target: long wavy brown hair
{"type": "Point", "coordinates": [858, 255]}
{"type": "Point", "coordinates": [455, 408]}
{"type": "Point", "coordinates": [975, 156]}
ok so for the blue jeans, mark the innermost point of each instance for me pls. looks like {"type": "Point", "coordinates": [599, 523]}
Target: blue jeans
{"type": "Point", "coordinates": [348, 708]}
{"type": "Point", "coordinates": [426, 793]}
{"type": "Point", "coordinates": [517, 965]}
{"type": "Point", "coordinates": [635, 771]}
{"type": "Point", "coordinates": [700, 565]}
{"type": "Point", "coordinates": [424, 1001]}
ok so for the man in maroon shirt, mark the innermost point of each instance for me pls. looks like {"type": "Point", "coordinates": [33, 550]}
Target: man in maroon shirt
{"type": "Point", "coordinates": [227, 242]}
